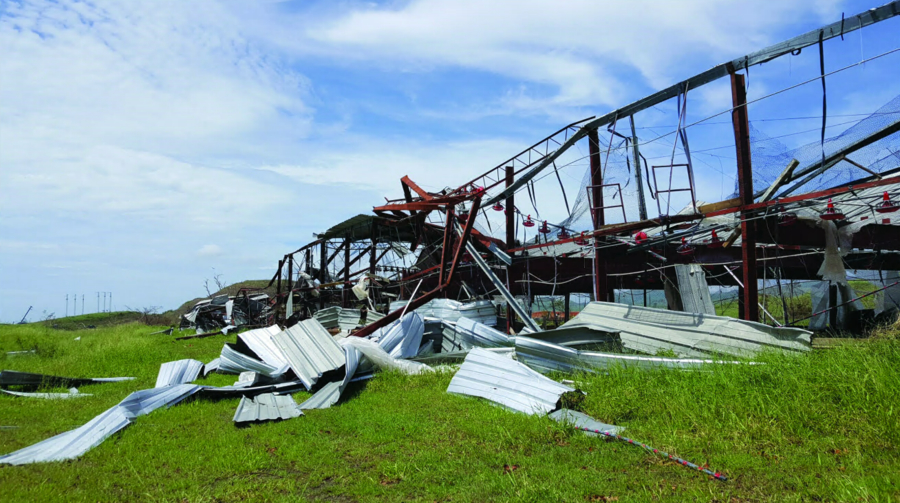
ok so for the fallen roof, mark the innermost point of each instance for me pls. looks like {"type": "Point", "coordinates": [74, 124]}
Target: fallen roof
{"type": "Point", "coordinates": [507, 382]}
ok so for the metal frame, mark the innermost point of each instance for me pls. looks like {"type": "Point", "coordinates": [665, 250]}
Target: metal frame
{"type": "Point", "coordinates": [689, 188]}
{"type": "Point", "coordinates": [618, 191]}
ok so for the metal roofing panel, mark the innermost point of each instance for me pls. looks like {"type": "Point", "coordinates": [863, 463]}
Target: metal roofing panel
{"type": "Point", "coordinates": [403, 337]}
{"type": "Point", "coordinates": [694, 289]}
{"type": "Point", "coordinates": [649, 330]}
{"type": "Point", "coordinates": [73, 393]}
{"type": "Point", "coordinates": [545, 356]}
{"type": "Point", "coordinates": [178, 372]}
{"type": "Point", "coordinates": [74, 443]}
{"type": "Point", "coordinates": [348, 319]}
{"type": "Point", "coordinates": [211, 366]}
{"type": "Point", "coordinates": [266, 407]}
{"type": "Point", "coordinates": [260, 342]}
{"type": "Point", "coordinates": [310, 350]}
{"type": "Point", "coordinates": [34, 381]}
{"type": "Point", "coordinates": [582, 420]}
{"type": "Point", "coordinates": [235, 362]}
{"type": "Point", "coordinates": [507, 382]}
{"type": "Point", "coordinates": [329, 316]}
{"type": "Point", "coordinates": [481, 335]}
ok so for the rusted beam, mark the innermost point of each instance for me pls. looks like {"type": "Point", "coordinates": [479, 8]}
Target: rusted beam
{"type": "Point", "coordinates": [741, 126]}
{"type": "Point", "coordinates": [510, 207]}
{"type": "Point", "coordinates": [345, 293]}
{"type": "Point", "coordinates": [415, 188]}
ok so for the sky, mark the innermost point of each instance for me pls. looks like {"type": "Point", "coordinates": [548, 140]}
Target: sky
{"type": "Point", "coordinates": [148, 146]}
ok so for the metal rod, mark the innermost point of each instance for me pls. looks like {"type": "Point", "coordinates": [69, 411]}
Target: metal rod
{"type": "Point", "coordinates": [757, 303]}
{"type": "Point", "coordinates": [683, 462]}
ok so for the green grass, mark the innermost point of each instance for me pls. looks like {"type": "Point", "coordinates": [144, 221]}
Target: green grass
{"type": "Point", "coordinates": [818, 427]}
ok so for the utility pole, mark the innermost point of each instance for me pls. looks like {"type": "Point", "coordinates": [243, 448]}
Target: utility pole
{"type": "Point", "coordinates": [104, 302]}
{"type": "Point", "coordinates": [82, 304]}
{"type": "Point", "coordinates": [67, 304]}
{"type": "Point", "coordinates": [98, 302]}
{"type": "Point", "coordinates": [110, 303]}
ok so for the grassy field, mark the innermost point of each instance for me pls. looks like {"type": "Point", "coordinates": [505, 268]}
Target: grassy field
{"type": "Point", "coordinates": [818, 427]}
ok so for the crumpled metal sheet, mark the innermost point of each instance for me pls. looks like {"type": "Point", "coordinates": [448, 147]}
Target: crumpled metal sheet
{"type": "Point", "coordinates": [482, 311]}
{"type": "Point", "coordinates": [74, 443]}
{"type": "Point", "coordinates": [694, 289]}
{"type": "Point", "coordinates": [211, 366]}
{"type": "Point", "coordinates": [309, 350]}
{"type": "Point", "coordinates": [234, 362]}
{"type": "Point", "coordinates": [650, 331]}
{"type": "Point", "coordinates": [266, 407]}
{"type": "Point", "coordinates": [178, 372]}
{"type": "Point", "coordinates": [545, 356]}
{"type": "Point", "coordinates": [402, 338]}
{"type": "Point", "coordinates": [498, 378]}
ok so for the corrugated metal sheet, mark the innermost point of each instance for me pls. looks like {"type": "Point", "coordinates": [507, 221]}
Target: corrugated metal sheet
{"type": "Point", "coordinates": [240, 390]}
{"type": "Point", "coordinates": [348, 319]}
{"type": "Point", "coordinates": [480, 335]}
{"type": "Point", "coordinates": [73, 393]}
{"type": "Point", "coordinates": [260, 342]}
{"type": "Point", "coordinates": [178, 372]}
{"type": "Point", "coordinates": [34, 381]}
{"type": "Point", "coordinates": [309, 350]}
{"type": "Point", "coordinates": [74, 443]}
{"type": "Point", "coordinates": [402, 338]}
{"type": "Point", "coordinates": [582, 420]}
{"type": "Point", "coordinates": [507, 382]}
{"type": "Point", "coordinates": [329, 316]}
{"type": "Point", "coordinates": [234, 362]}
{"type": "Point", "coordinates": [693, 289]}
{"type": "Point", "coordinates": [650, 331]}
{"type": "Point", "coordinates": [544, 356]}
{"type": "Point", "coordinates": [331, 392]}
{"type": "Point", "coordinates": [482, 311]}
{"type": "Point", "coordinates": [211, 366]}
{"type": "Point", "coordinates": [266, 407]}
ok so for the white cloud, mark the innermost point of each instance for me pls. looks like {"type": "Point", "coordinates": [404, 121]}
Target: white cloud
{"type": "Point", "coordinates": [575, 46]}
{"type": "Point", "coordinates": [210, 250]}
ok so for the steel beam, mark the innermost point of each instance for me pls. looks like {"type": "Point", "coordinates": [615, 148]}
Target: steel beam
{"type": "Point", "coordinates": [745, 188]}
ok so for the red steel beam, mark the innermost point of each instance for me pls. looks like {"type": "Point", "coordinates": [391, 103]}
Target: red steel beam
{"type": "Point", "coordinates": [415, 188]}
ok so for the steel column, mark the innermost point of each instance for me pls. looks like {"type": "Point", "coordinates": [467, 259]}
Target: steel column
{"type": "Point", "coordinates": [345, 294]}
{"type": "Point", "coordinates": [741, 125]}
{"type": "Point", "coordinates": [600, 283]}
{"type": "Point", "coordinates": [642, 204]}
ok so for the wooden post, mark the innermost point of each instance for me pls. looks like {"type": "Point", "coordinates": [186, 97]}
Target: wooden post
{"type": "Point", "coordinates": [741, 123]}
{"type": "Point", "coordinates": [567, 308]}
{"type": "Point", "coordinates": [601, 288]}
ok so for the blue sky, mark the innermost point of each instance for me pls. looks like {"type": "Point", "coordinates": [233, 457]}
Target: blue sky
{"type": "Point", "coordinates": [145, 145]}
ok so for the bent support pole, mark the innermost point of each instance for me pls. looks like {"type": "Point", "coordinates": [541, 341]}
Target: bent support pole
{"type": "Point", "coordinates": [414, 304]}
{"type": "Point", "coordinates": [745, 188]}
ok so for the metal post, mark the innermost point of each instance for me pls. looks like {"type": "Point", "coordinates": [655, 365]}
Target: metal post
{"type": "Point", "coordinates": [568, 310]}
{"type": "Point", "coordinates": [510, 235]}
{"type": "Point", "coordinates": [601, 288]}
{"type": "Point", "coordinates": [278, 285]}
{"type": "Point", "coordinates": [832, 305]}
{"type": "Point", "coordinates": [741, 125]}
{"type": "Point", "coordinates": [642, 205]}
{"type": "Point", "coordinates": [323, 269]}
{"type": "Point", "coordinates": [345, 294]}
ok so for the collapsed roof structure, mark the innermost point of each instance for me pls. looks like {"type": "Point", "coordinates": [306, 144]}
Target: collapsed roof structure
{"type": "Point", "coordinates": [427, 244]}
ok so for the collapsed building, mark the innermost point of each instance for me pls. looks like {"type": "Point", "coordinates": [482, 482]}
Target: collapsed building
{"type": "Point", "coordinates": [804, 214]}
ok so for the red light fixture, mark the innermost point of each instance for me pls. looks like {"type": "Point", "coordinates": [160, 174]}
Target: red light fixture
{"type": "Point", "coordinates": [580, 240]}
{"type": "Point", "coordinates": [685, 248]}
{"type": "Point", "coordinates": [528, 222]}
{"type": "Point", "coordinates": [831, 213]}
{"type": "Point", "coordinates": [562, 234]}
{"type": "Point", "coordinates": [886, 206]}
{"type": "Point", "coordinates": [640, 237]}
{"type": "Point", "coordinates": [498, 207]}
{"type": "Point", "coordinates": [714, 241]}
{"type": "Point", "coordinates": [543, 229]}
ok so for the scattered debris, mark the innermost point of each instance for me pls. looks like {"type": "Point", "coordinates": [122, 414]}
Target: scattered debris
{"type": "Point", "coordinates": [21, 353]}
{"type": "Point", "coordinates": [178, 372]}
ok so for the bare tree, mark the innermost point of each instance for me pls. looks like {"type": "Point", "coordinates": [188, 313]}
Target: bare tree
{"type": "Point", "coordinates": [217, 280]}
